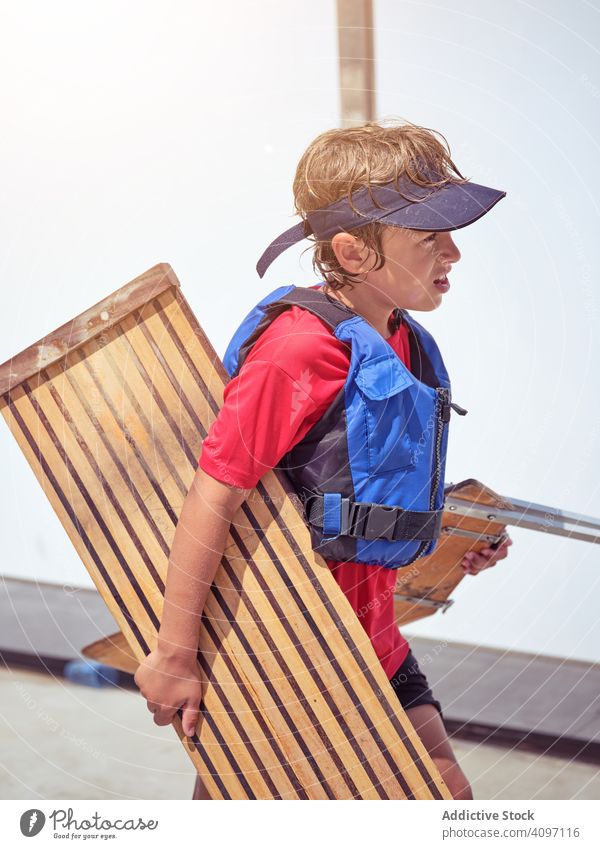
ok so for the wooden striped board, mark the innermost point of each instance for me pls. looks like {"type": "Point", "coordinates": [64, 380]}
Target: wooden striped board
{"type": "Point", "coordinates": [424, 587]}
{"type": "Point", "coordinates": [421, 590]}
{"type": "Point", "coordinates": [110, 411]}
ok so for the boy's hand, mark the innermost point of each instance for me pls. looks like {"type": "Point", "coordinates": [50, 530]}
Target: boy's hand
{"type": "Point", "coordinates": [474, 562]}
{"type": "Point", "coordinates": [168, 684]}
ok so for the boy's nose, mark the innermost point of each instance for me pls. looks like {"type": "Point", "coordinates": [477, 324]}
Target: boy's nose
{"type": "Point", "coordinates": [448, 249]}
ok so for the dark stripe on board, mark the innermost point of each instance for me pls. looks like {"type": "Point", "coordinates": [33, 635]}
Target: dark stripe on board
{"type": "Point", "coordinates": [337, 715]}
{"type": "Point", "coordinates": [133, 444]}
{"type": "Point", "coordinates": [232, 714]}
{"type": "Point", "coordinates": [160, 403]}
{"type": "Point", "coordinates": [77, 390]}
{"type": "Point", "coordinates": [350, 643]}
{"type": "Point", "coordinates": [143, 418]}
{"type": "Point", "coordinates": [91, 506]}
{"type": "Point", "coordinates": [268, 684]}
{"type": "Point", "coordinates": [214, 406]}
{"type": "Point", "coordinates": [75, 521]}
{"type": "Point", "coordinates": [202, 753]}
{"type": "Point", "coordinates": [114, 501]}
{"type": "Point", "coordinates": [269, 737]}
{"type": "Point", "coordinates": [176, 384]}
{"type": "Point", "coordinates": [229, 755]}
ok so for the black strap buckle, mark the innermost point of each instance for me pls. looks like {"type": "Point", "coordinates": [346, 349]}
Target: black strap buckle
{"type": "Point", "coordinates": [381, 522]}
{"type": "Point", "coordinates": [370, 521]}
{"type": "Point", "coordinates": [377, 521]}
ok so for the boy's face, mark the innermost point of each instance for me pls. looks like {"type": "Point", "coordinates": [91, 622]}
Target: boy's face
{"type": "Point", "coordinates": [414, 259]}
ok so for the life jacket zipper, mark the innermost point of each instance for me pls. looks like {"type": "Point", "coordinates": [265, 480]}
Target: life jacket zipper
{"type": "Point", "coordinates": [444, 407]}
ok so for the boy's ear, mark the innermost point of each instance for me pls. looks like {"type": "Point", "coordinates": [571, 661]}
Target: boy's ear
{"type": "Point", "coordinates": [350, 252]}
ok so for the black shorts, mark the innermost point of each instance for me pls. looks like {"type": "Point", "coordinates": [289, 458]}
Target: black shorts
{"type": "Point", "coordinates": [411, 687]}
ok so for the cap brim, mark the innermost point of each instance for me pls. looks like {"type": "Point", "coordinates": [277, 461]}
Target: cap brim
{"type": "Point", "coordinates": [450, 208]}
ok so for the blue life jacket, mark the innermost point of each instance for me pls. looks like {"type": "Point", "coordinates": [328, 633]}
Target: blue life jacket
{"type": "Point", "coordinates": [370, 472]}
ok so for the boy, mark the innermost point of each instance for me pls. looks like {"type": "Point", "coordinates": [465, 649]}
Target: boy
{"type": "Point", "coordinates": [339, 386]}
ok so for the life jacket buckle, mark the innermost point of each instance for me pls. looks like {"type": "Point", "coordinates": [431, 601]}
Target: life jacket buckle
{"type": "Point", "coordinates": [381, 522]}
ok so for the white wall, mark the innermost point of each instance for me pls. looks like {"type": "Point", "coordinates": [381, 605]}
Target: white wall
{"type": "Point", "coordinates": [137, 133]}
{"type": "Point", "coordinates": [515, 88]}
{"type": "Point", "coordinates": [143, 132]}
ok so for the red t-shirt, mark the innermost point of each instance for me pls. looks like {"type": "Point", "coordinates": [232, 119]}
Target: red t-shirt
{"type": "Point", "coordinates": [289, 379]}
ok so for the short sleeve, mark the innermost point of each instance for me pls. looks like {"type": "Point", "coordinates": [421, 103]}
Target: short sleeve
{"type": "Point", "coordinates": [287, 382]}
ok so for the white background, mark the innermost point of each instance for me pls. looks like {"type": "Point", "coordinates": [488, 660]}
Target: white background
{"type": "Point", "coordinates": [144, 132]}
{"type": "Point", "coordinates": [345, 822]}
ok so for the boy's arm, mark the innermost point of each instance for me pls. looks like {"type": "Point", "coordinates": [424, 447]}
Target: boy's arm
{"type": "Point", "coordinates": [280, 391]}
{"type": "Point", "coordinates": [169, 677]}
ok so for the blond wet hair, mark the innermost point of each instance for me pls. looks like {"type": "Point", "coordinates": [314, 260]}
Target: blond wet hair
{"type": "Point", "coordinates": [340, 161]}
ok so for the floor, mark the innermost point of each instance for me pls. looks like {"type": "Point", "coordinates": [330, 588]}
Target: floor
{"type": "Point", "coordinates": [509, 694]}
{"type": "Point", "coordinates": [65, 741]}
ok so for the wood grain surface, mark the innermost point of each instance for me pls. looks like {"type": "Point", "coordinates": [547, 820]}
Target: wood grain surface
{"type": "Point", "coordinates": [434, 578]}
{"type": "Point", "coordinates": [111, 419]}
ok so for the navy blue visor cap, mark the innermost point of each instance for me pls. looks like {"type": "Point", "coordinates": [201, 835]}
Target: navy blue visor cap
{"type": "Point", "coordinates": [400, 203]}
